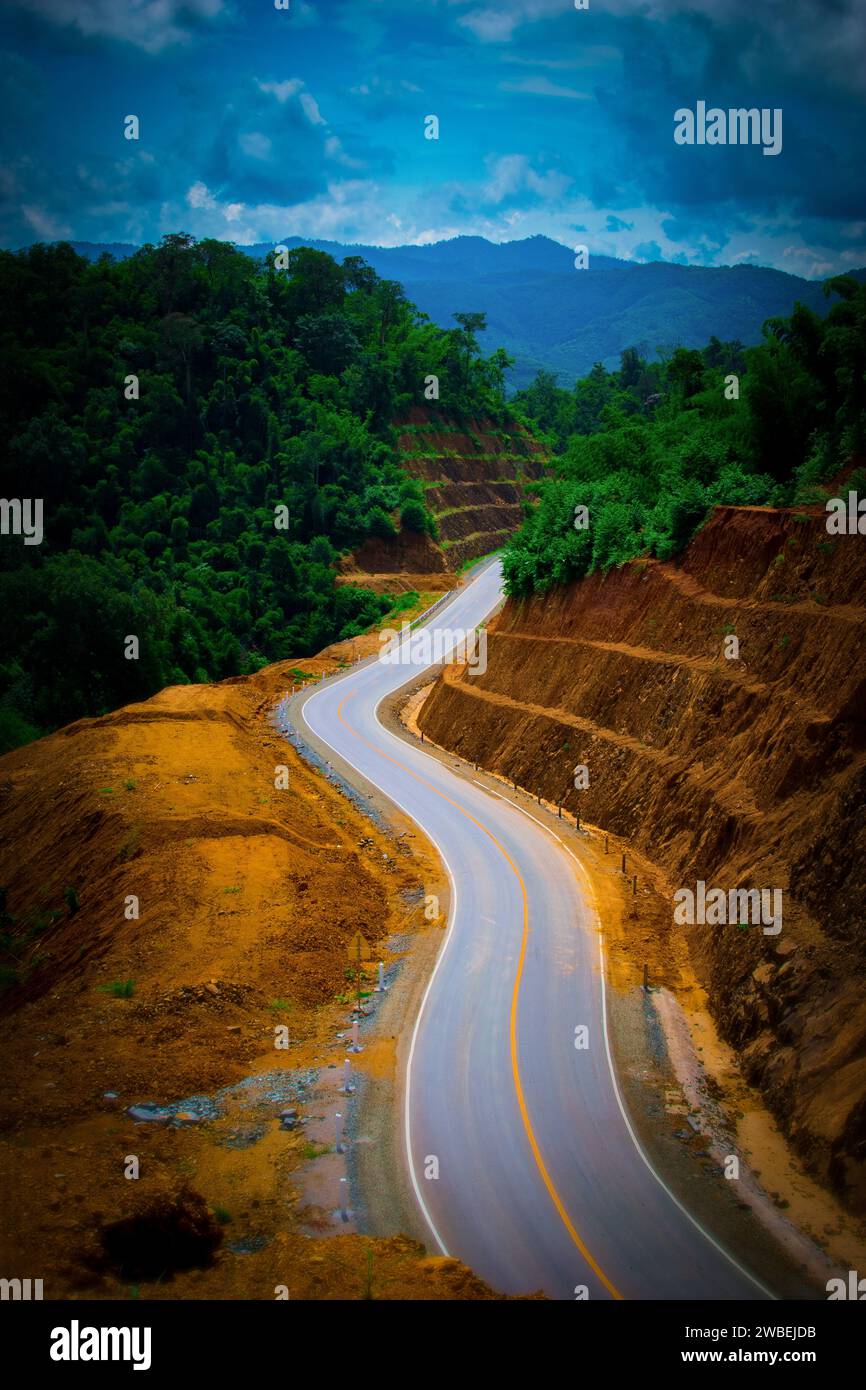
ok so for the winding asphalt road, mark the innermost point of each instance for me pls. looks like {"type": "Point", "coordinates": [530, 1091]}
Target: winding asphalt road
{"type": "Point", "coordinates": [541, 1181]}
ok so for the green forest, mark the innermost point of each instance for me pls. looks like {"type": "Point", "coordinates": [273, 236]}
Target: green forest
{"type": "Point", "coordinates": [650, 448]}
{"type": "Point", "coordinates": [209, 433]}
{"type": "Point", "coordinates": [164, 407]}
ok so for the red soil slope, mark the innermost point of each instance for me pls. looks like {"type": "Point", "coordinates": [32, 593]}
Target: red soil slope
{"type": "Point", "coordinates": [247, 896]}
{"type": "Point", "coordinates": [743, 773]}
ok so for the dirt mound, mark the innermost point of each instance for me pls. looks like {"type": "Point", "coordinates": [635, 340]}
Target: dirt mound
{"type": "Point", "coordinates": [168, 1234]}
{"type": "Point", "coordinates": [407, 553]}
{"type": "Point", "coordinates": [742, 770]}
{"type": "Point", "coordinates": [168, 909]}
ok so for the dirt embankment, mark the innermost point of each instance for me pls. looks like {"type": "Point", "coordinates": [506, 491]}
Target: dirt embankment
{"type": "Point", "coordinates": [168, 907]}
{"type": "Point", "coordinates": [473, 474]}
{"type": "Point", "coordinates": [744, 771]}
{"type": "Point", "coordinates": [408, 562]}
{"type": "Point", "coordinates": [474, 477]}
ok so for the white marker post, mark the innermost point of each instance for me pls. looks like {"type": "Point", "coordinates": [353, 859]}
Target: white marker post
{"type": "Point", "coordinates": [339, 1146]}
{"type": "Point", "coordinates": [380, 988]}
{"type": "Point", "coordinates": [355, 1045]}
{"type": "Point", "coordinates": [347, 1088]}
{"type": "Point", "coordinates": [344, 1198]}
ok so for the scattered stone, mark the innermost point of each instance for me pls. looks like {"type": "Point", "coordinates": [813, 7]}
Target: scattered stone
{"type": "Point", "coordinates": [149, 1112]}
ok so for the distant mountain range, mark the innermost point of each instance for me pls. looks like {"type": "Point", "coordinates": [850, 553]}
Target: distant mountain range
{"type": "Point", "coordinates": [547, 314]}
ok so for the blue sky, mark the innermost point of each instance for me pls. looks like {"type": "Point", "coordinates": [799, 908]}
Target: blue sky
{"type": "Point", "coordinates": [258, 124]}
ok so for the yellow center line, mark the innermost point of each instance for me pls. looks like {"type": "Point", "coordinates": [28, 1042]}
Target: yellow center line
{"type": "Point", "coordinates": [515, 1069]}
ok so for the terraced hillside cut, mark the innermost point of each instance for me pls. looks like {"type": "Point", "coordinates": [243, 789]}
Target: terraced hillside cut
{"type": "Point", "coordinates": [746, 772]}
{"type": "Point", "coordinates": [474, 475]}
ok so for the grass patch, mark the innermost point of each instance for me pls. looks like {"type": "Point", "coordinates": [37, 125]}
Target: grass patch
{"type": "Point", "coordinates": [118, 989]}
{"type": "Point", "coordinates": [402, 602]}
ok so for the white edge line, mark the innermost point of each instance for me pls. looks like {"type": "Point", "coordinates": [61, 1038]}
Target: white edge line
{"type": "Point", "coordinates": [660, 1180]}
{"type": "Point", "coordinates": [452, 914]}
{"type": "Point", "coordinates": [453, 917]}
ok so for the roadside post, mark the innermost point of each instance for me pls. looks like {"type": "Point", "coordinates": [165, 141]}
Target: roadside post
{"type": "Point", "coordinates": [357, 950]}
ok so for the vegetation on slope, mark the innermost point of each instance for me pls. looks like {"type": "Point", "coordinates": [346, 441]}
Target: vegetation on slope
{"type": "Point", "coordinates": [259, 388]}
{"type": "Point", "coordinates": [650, 448]}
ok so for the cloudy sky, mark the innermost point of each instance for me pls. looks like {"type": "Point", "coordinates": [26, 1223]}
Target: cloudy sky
{"type": "Point", "coordinates": [258, 123]}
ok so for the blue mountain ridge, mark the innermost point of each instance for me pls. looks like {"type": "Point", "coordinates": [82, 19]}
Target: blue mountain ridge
{"type": "Point", "coordinates": [547, 314]}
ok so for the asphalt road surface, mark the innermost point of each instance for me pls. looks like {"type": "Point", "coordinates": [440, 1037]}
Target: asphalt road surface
{"type": "Point", "coordinates": [541, 1182]}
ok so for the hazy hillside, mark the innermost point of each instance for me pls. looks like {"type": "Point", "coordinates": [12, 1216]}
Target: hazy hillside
{"type": "Point", "coordinates": [547, 314]}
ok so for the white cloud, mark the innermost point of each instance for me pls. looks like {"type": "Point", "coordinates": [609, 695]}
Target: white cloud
{"type": "Point", "coordinates": [281, 90]}
{"type": "Point", "coordinates": [542, 87]}
{"type": "Point", "coordinates": [294, 87]}
{"type": "Point", "coordinates": [490, 26]}
{"type": "Point", "coordinates": [497, 25]}
{"type": "Point", "coordinates": [311, 109]}
{"type": "Point", "coordinates": [383, 87]}
{"type": "Point", "coordinates": [513, 173]}
{"type": "Point", "coordinates": [200, 196]}
{"type": "Point", "coordinates": [46, 227]}
{"type": "Point", "coordinates": [255, 144]}
{"type": "Point", "coordinates": [334, 150]}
